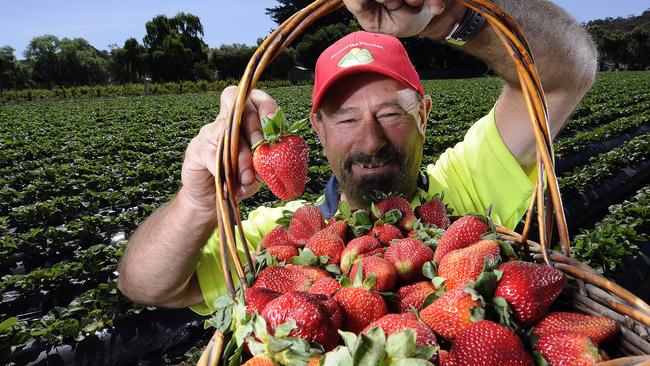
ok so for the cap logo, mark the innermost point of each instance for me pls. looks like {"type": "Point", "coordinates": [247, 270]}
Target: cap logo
{"type": "Point", "coordinates": [356, 56]}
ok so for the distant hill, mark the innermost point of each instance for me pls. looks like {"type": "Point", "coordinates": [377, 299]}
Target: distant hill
{"type": "Point", "coordinates": [624, 25]}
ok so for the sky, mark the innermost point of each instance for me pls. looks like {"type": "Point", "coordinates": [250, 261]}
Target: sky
{"type": "Point", "coordinates": [103, 23]}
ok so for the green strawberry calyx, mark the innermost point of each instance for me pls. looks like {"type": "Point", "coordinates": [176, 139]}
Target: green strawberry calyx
{"type": "Point", "coordinates": [277, 126]}
{"type": "Point", "coordinates": [374, 349]}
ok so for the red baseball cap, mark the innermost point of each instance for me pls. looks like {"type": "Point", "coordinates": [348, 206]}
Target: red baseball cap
{"type": "Point", "coordinates": [363, 52]}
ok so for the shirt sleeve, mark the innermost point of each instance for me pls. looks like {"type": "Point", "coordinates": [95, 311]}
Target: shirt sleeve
{"type": "Point", "coordinates": [481, 171]}
{"type": "Point", "coordinates": [209, 271]}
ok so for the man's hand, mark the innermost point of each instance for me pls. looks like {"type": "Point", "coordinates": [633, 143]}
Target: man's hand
{"type": "Point", "coordinates": [198, 169]}
{"type": "Point", "coordinates": [401, 18]}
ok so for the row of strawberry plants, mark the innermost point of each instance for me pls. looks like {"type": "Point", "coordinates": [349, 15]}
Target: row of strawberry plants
{"type": "Point", "coordinates": [602, 117]}
{"type": "Point", "coordinates": [85, 265]}
{"type": "Point", "coordinates": [87, 314]}
{"type": "Point", "coordinates": [583, 140]}
{"type": "Point", "coordinates": [606, 165]}
{"type": "Point", "coordinates": [618, 236]}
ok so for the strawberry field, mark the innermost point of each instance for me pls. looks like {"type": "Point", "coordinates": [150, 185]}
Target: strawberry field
{"type": "Point", "coordinates": [77, 176]}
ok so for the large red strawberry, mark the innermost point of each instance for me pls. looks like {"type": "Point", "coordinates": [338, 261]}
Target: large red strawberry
{"type": "Point", "coordinates": [256, 298]}
{"type": "Point", "coordinates": [359, 247]}
{"type": "Point", "coordinates": [383, 271]}
{"type": "Point", "coordinates": [408, 256]}
{"type": "Point", "coordinates": [325, 286]}
{"type": "Point", "coordinates": [282, 280]}
{"type": "Point", "coordinates": [360, 307]}
{"type": "Point", "coordinates": [597, 328]}
{"type": "Point", "coordinates": [395, 203]}
{"type": "Point", "coordinates": [488, 344]}
{"type": "Point", "coordinates": [326, 242]}
{"type": "Point", "coordinates": [530, 289]}
{"type": "Point", "coordinates": [278, 237]}
{"type": "Point", "coordinates": [339, 228]}
{"type": "Point", "coordinates": [433, 212]}
{"type": "Point", "coordinates": [385, 233]}
{"type": "Point", "coordinates": [567, 348]}
{"type": "Point", "coordinates": [464, 232]}
{"type": "Point", "coordinates": [451, 313]}
{"type": "Point", "coordinates": [305, 222]}
{"type": "Point", "coordinates": [395, 323]}
{"type": "Point", "coordinates": [313, 273]}
{"type": "Point", "coordinates": [281, 157]}
{"type": "Point", "coordinates": [284, 253]}
{"type": "Point", "coordinates": [313, 318]}
{"type": "Point", "coordinates": [413, 296]}
{"type": "Point", "coordinates": [460, 266]}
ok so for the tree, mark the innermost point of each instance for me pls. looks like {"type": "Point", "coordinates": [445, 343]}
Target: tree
{"type": "Point", "coordinates": [41, 53]}
{"type": "Point", "coordinates": [128, 63]}
{"type": "Point", "coordinates": [175, 47]}
{"type": "Point", "coordinates": [287, 8]}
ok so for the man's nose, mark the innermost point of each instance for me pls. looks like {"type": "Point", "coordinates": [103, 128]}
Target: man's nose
{"type": "Point", "coordinates": [372, 136]}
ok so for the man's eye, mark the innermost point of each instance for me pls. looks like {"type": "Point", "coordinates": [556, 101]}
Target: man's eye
{"type": "Point", "coordinates": [390, 116]}
{"type": "Point", "coordinates": [346, 121]}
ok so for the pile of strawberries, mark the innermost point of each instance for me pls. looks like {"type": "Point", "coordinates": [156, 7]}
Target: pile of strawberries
{"type": "Point", "coordinates": [398, 286]}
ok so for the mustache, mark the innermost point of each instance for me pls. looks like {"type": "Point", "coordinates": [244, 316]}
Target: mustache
{"type": "Point", "coordinates": [383, 156]}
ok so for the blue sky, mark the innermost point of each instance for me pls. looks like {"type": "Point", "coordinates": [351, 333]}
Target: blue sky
{"type": "Point", "coordinates": [106, 22]}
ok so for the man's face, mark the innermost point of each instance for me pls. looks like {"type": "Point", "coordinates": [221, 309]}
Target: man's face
{"type": "Point", "coordinates": [372, 131]}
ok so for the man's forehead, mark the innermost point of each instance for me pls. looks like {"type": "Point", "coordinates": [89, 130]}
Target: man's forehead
{"type": "Point", "coordinates": [405, 99]}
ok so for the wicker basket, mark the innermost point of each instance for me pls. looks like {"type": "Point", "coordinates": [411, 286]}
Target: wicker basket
{"type": "Point", "coordinates": [586, 292]}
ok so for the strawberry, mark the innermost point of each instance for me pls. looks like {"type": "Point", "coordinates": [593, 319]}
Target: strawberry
{"type": "Point", "coordinates": [386, 233]}
{"type": "Point", "coordinates": [464, 232]}
{"type": "Point", "coordinates": [312, 317]}
{"type": "Point", "coordinates": [395, 323]}
{"type": "Point", "coordinates": [277, 237]}
{"type": "Point", "coordinates": [567, 348]}
{"type": "Point", "coordinates": [325, 286]}
{"type": "Point", "coordinates": [282, 280]}
{"type": "Point", "coordinates": [530, 289]}
{"type": "Point", "coordinates": [284, 253]}
{"type": "Point", "coordinates": [360, 307]}
{"type": "Point", "coordinates": [359, 247]}
{"type": "Point", "coordinates": [597, 328]}
{"type": "Point", "coordinates": [305, 222]}
{"type": "Point", "coordinates": [433, 212]}
{"type": "Point", "coordinates": [313, 273]}
{"type": "Point", "coordinates": [326, 242]}
{"type": "Point", "coordinates": [261, 360]}
{"type": "Point", "coordinates": [488, 344]}
{"type": "Point", "coordinates": [413, 296]}
{"type": "Point", "coordinates": [256, 298]}
{"type": "Point", "coordinates": [395, 203]}
{"type": "Point", "coordinates": [451, 313]}
{"type": "Point", "coordinates": [408, 256]}
{"type": "Point", "coordinates": [281, 157]}
{"type": "Point", "coordinates": [339, 228]}
{"type": "Point", "coordinates": [333, 309]}
{"type": "Point", "coordinates": [314, 361]}
{"type": "Point", "coordinates": [383, 271]}
{"type": "Point", "coordinates": [461, 266]}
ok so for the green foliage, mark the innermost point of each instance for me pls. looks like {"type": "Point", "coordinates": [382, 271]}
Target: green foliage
{"type": "Point", "coordinates": [617, 237]}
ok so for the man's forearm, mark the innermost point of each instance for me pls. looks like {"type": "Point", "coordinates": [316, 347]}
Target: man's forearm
{"type": "Point", "coordinates": [562, 50]}
{"type": "Point", "coordinates": [162, 254]}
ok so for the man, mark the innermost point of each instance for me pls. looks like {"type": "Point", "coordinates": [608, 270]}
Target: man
{"type": "Point", "coordinates": [370, 113]}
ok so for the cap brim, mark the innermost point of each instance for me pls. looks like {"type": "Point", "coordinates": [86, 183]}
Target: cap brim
{"type": "Point", "coordinates": [358, 69]}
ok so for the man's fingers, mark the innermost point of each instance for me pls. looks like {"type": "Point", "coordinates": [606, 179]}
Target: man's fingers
{"type": "Point", "coordinates": [414, 3]}
{"type": "Point", "coordinates": [391, 5]}
{"type": "Point", "coordinates": [436, 6]}
{"type": "Point", "coordinates": [246, 171]}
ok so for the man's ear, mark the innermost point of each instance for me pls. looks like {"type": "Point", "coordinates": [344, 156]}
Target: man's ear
{"type": "Point", "coordinates": [317, 124]}
{"type": "Point", "coordinates": [424, 112]}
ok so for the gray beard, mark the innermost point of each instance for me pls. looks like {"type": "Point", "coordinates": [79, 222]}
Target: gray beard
{"type": "Point", "coordinates": [361, 190]}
